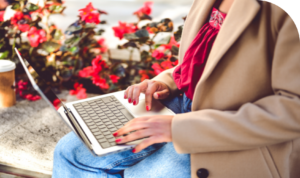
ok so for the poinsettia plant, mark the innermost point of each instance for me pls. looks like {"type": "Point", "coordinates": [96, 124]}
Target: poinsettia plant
{"type": "Point", "coordinates": [78, 59]}
{"type": "Point", "coordinates": [155, 55]}
{"type": "Point", "coordinates": [25, 25]}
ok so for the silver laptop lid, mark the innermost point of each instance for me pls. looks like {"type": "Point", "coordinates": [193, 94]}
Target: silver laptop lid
{"type": "Point", "coordinates": [49, 97]}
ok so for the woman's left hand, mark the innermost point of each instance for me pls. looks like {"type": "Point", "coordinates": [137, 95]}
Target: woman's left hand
{"type": "Point", "coordinates": [156, 128]}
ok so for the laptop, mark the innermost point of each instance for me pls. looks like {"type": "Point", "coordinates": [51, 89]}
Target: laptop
{"type": "Point", "coordinates": [95, 119]}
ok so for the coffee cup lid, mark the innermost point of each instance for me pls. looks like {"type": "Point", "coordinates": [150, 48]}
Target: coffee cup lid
{"type": "Point", "coordinates": [6, 65]}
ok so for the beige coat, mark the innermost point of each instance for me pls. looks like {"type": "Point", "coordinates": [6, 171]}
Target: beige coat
{"type": "Point", "coordinates": [245, 119]}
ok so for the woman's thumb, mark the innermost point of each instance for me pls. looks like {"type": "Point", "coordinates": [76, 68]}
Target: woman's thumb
{"type": "Point", "coordinates": [161, 94]}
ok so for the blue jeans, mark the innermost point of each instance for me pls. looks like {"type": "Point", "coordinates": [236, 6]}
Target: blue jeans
{"type": "Point", "coordinates": [73, 159]}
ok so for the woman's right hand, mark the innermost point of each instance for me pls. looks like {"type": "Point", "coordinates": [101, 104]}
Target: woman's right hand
{"type": "Point", "coordinates": [150, 88]}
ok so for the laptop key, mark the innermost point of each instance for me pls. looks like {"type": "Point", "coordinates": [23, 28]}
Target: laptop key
{"type": "Point", "coordinates": [99, 136]}
{"type": "Point", "coordinates": [113, 129]}
{"type": "Point", "coordinates": [101, 140]}
{"type": "Point", "coordinates": [112, 143]}
{"type": "Point", "coordinates": [106, 133]}
{"type": "Point", "coordinates": [120, 107]}
{"type": "Point", "coordinates": [95, 130]}
{"type": "Point", "coordinates": [105, 145]}
{"type": "Point", "coordinates": [104, 129]}
{"type": "Point", "coordinates": [126, 114]}
{"type": "Point", "coordinates": [110, 126]}
{"type": "Point", "coordinates": [109, 136]}
{"type": "Point", "coordinates": [111, 140]}
{"type": "Point", "coordinates": [97, 133]}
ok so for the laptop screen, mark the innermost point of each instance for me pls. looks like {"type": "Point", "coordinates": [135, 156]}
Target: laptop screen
{"type": "Point", "coordinates": [37, 77]}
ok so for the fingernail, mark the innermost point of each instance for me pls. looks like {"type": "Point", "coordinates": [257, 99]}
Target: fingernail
{"type": "Point", "coordinates": [133, 151]}
{"type": "Point", "coordinates": [115, 134]}
{"type": "Point", "coordinates": [147, 108]}
{"type": "Point", "coordinates": [118, 140]}
{"type": "Point", "coordinates": [125, 96]}
{"type": "Point", "coordinates": [134, 102]}
{"type": "Point", "coordinates": [158, 95]}
{"type": "Point", "coordinates": [129, 100]}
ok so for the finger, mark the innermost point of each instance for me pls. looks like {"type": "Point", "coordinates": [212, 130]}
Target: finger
{"type": "Point", "coordinates": [130, 89]}
{"type": "Point", "coordinates": [134, 136]}
{"type": "Point", "coordinates": [152, 87]}
{"type": "Point", "coordinates": [145, 143]}
{"type": "Point", "coordinates": [139, 119]}
{"type": "Point", "coordinates": [126, 93]}
{"type": "Point", "coordinates": [135, 95]}
{"type": "Point", "coordinates": [161, 94]}
{"type": "Point", "coordinates": [132, 127]}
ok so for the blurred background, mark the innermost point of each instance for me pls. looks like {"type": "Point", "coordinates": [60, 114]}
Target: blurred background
{"type": "Point", "coordinates": [122, 10]}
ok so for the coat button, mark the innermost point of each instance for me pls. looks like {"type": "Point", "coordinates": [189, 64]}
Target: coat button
{"type": "Point", "coordinates": [202, 173]}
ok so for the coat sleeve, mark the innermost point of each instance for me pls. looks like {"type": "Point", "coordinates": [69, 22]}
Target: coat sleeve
{"type": "Point", "coordinates": [270, 120]}
{"type": "Point", "coordinates": [167, 78]}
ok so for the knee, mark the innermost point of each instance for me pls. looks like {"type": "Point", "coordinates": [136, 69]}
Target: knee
{"type": "Point", "coordinates": [66, 146]}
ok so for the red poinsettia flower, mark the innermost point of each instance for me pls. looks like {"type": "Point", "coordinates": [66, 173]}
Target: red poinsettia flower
{"type": "Point", "coordinates": [166, 65]}
{"type": "Point", "coordinates": [157, 68]}
{"type": "Point", "coordinates": [31, 97]}
{"type": "Point", "coordinates": [144, 75]}
{"type": "Point", "coordinates": [36, 36]}
{"type": "Point", "coordinates": [92, 18]}
{"type": "Point", "coordinates": [98, 64]}
{"type": "Point", "coordinates": [56, 103]}
{"type": "Point", "coordinates": [88, 9]}
{"type": "Point", "coordinates": [146, 9]}
{"type": "Point", "coordinates": [158, 53]}
{"type": "Point", "coordinates": [100, 82]}
{"type": "Point", "coordinates": [22, 85]}
{"type": "Point", "coordinates": [114, 78]}
{"type": "Point", "coordinates": [89, 14]}
{"type": "Point", "coordinates": [1, 16]}
{"type": "Point", "coordinates": [124, 28]}
{"type": "Point", "coordinates": [79, 91]}
{"type": "Point", "coordinates": [20, 20]}
{"type": "Point", "coordinates": [172, 42]}
{"type": "Point", "coordinates": [86, 72]}
{"type": "Point", "coordinates": [103, 48]}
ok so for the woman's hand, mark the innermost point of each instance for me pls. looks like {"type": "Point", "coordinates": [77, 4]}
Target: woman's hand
{"type": "Point", "coordinates": [156, 128]}
{"type": "Point", "coordinates": [151, 88]}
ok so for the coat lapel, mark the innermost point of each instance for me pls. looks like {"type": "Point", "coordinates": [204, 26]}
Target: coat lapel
{"type": "Point", "coordinates": [240, 15]}
{"type": "Point", "coordinates": [196, 18]}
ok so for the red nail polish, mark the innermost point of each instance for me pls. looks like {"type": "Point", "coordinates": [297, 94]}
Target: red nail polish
{"type": "Point", "coordinates": [158, 95]}
{"type": "Point", "coordinates": [115, 134]}
{"type": "Point", "coordinates": [129, 100]}
{"type": "Point", "coordinates": [125, 96]}
{"type": "Point", "coordinates": [118, 140]}
{"type": "Point", "coordinates": [134, 102]}
{"type": "Point", "coordinates": [133, 151]}
{"type": "Point", "coordinates": [147, 108]}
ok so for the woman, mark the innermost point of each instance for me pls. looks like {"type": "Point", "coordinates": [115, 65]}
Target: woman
{"type": "Point", "coordinates": [239, 114]}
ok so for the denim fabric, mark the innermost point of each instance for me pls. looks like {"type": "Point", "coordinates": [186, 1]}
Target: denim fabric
{"type": "Point", "coordinates": [73, 159]}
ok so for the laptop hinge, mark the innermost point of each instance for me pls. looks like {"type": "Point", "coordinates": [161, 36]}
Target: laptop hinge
{"type": "Point", "coordinates": [78, 128]}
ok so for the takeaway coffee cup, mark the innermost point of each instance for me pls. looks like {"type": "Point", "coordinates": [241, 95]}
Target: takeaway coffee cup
{"type": "Point", "coordinates": [7, 80]}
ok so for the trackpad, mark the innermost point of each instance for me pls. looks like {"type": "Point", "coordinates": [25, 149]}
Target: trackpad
{"type": "Point", "coordinates": [156, 109]}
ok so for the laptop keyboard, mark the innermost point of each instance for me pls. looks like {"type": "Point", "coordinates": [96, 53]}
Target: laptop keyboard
{"type": "Point", "coordinates": [103, 116]}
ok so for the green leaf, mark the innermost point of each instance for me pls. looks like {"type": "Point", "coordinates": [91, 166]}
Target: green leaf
{"type": "Point", "coordinates": [15, 6]}
{"type": "Point", "coordinates": [31, 7]}
{"type": "Point", "coordinates": [178, 33]}
{"type": "Point", "coordinates": [4, 55]}
{"type": "Point", "coordinates": [50, 46]}
{"type": "Point", "coordinates": [57, 9]}
{"type": "Point", "coordinates": [99, 32]}
{"type": "Point", "coordinates": [75, 27]}
{"type": "Point", "coordinates": [165, 40]}
{"type": "Point", "coordinates": [165, 25]}
{"type": "Point", "coordinates": [175, 50]}
{"type": "Point", "coordinates": [1, 45]}
{"type": "Point", "coordinates": [141, 35]}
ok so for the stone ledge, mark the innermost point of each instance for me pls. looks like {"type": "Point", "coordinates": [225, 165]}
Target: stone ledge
{"type": "Point", "coordinates": [29, 132]}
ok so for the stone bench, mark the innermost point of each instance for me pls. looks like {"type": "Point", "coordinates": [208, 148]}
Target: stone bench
{"type": "Point", "coordinates": [29, 132]}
